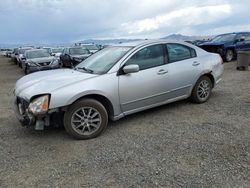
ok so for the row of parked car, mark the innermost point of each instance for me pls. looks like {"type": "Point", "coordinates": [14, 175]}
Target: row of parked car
{"type": "Point", "coordinates": [32, 59]}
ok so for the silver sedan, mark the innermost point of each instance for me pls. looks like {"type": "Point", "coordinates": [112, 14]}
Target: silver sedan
{"type": "Point", "coordinates": [115, 82]}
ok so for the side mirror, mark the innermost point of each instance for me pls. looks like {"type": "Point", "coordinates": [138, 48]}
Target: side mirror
{"type": "Point", "coordinates": [131, 69]}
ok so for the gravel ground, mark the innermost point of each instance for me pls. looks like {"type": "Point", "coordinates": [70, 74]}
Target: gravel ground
{"type": "Point", "coordinates": [177, 145]}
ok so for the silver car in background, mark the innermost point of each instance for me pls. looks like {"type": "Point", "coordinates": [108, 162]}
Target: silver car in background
{"type": "Point", "coordinates": [39, 60]}
{"type": "Point", "coordinates": [115, 82]}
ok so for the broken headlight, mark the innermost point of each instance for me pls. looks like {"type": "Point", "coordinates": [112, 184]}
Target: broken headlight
{"type": "Point", "coordinates": [39, 105]}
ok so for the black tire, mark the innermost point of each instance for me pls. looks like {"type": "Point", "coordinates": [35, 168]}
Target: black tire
{"type": "Point", "coordinates": [197, 94]}
{"type": "Point", "coordinates": [77, 107]}
{"type": "Point", "coordinates": [26, 70]}
{"type": "Point", "coordinates": [229, 55]}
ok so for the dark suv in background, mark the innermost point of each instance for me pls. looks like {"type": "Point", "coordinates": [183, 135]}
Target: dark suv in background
{"type": "Point", "coordinates": [225, 44]}
{"type": "Point", "coordinates": [73, 55]}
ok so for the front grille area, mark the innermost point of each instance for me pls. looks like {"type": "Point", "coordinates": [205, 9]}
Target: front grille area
{"type": "Point", "coordinates": [22, 105]}
{"type": "Point", "coordinates": [213, 49]}
{"type": "Point", "coordinates": [44, 64]}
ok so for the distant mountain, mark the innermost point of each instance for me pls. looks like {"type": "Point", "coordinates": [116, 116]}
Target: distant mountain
{"type": "Point", "coordinates": [112, 41]}
{"type": "Point", "coordinates": [180, 37]}
{"type": "Point", "coordinates": [177, 37]}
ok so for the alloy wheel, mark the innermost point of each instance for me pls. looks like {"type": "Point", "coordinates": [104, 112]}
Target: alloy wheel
{"type": "Point", "coordinates": [203, 90]}
{"type": "Point", "coordinates": [229, 55]}
{"type": "Point", "coordinates": [86, 121]}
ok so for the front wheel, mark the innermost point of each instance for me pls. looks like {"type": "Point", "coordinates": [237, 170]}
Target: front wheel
{"type": "Point", "coordinates": [86, 119]}
{"type": "Point", "coordinates": [202, 90]}
{"type": "Point", "coordinates": [229, 55]}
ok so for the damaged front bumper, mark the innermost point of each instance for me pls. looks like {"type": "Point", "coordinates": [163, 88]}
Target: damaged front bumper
{"type": "Point", "coordinates": [39, 122]}
{"type": "Point", "coordinates": [26, 118]}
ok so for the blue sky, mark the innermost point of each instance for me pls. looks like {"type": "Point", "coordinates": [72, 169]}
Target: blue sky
{"type": "Point", "coordinates": [59, 21]}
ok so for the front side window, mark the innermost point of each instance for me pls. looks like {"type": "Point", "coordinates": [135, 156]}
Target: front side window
{"type": "Point", "coordinates": [179, 52]}
{"type": "Point", "coordinates": [148, 57]}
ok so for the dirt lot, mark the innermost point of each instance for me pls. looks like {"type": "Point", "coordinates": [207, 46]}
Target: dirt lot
{"type": "Point", "coordinates": [177, 145]}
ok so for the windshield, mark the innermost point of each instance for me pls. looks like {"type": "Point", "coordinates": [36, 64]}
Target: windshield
{"type": "Point", "coordinates": [224, 38]}
{"type": "Point", "coordinates": [22, 51]}
{"type": "Point", "coordinates": [57, 50]}
{"type": "Point", "coordinates": [78, 51]}
{"type": "Point", "coordinates": [37, 54]}
{"type": "Point", "coordinates": [102, 61]}
{"type": "Point", "coordinates": [47, 49]}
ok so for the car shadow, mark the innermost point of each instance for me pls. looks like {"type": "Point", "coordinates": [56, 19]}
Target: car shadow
{"type": "Point", "coordinates": [151, 111]}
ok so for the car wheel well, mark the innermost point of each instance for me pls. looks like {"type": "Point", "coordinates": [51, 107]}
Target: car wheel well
{"type": "Point", "coordinates": [103, 100]}
{"type": "Point", "coordinates": [231, 48]}
{"type": "Point", "coordinates": [211, 77]}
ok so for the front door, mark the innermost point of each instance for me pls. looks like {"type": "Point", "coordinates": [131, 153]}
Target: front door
{"type": "Point", "coordinates": [147, 87]}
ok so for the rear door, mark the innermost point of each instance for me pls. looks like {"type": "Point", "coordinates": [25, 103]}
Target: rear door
{"type": "Point", "coordinates": [183, 68]}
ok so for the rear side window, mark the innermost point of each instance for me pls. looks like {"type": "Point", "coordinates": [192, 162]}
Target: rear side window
{"type": "Point", "coordinates": [247, 37]}
{"type": "Point", "coordinates": [179, 52]}
{"type": "Point", "coordinates": [148, 57]}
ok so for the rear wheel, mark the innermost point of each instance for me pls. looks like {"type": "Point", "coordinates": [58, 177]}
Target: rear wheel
{"type": "Point", "coordinates": [202, 90]}
{"type": "Point", "coordinates": [86, 119]}
{"type": "Point", "coordinates": [229, 55]}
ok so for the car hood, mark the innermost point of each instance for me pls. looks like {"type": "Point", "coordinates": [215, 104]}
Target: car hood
{"type": "Point", "coordinates": [46, 82]}
{"type": "Point", "coordinates": [212, 44]}
{"type": "Point", "coordinates": [80, 56]}
{"type": "Point", "coordinates": [41, 60]}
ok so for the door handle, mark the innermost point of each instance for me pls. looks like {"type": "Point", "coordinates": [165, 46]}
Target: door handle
{"type": "Point", "coordinates": [162, 71]}
{"type": "Point", "coordinates": [196, 63]}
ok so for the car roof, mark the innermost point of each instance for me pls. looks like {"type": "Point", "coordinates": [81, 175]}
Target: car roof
{"type": "Point", "coordinates": [82, 47]}
{"type": "Point", "coordinates": [88, 45]}
{"type": "Point", "coordinates": [25, 48]}
{"type": "Point", "coordinates": [148, 42]}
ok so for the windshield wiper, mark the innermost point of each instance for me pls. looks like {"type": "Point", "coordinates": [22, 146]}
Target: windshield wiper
{"type": "Point", "coordinates": [85, 69]}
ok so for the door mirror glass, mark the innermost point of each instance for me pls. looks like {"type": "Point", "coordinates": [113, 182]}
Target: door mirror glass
{"type": "Point", "coordinates": [131, 69]}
